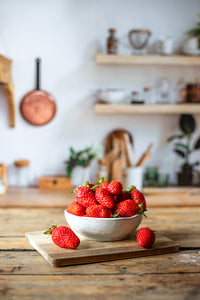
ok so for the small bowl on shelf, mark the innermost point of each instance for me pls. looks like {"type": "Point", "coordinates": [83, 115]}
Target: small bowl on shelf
{"type": "Point", "coordinates": [103, 229]}
{"type": "Point", "coordinates": [112, 96]}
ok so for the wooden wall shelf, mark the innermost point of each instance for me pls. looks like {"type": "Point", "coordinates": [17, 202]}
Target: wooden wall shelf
{"type": "Point", "coordinates": [174, 60]}
{"type": "Point", "coordinates": [127, 109]}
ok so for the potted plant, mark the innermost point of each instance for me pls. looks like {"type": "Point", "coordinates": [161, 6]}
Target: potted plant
{"type": "Point", "coordinates": [184, 148]}
{"type": "Point", "coordinates": [192, 44]}
{"type": "Point", "coordinates": [77, 166]}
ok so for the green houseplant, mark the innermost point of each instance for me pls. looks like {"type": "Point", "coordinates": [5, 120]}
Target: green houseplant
{"type": "Point", "coordinates": [195, 31]}
{"type": "Point", "coordinates": [191, 45]}
{"type": "Point", "coordinates": [184, 148]}
{"type": "Point", "coordinates": [77, 166]}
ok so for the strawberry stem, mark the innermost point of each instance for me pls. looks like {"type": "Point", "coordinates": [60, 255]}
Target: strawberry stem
{"type": "Point", "coordinates": [132, 187]}
{"type": "Point", "coordinates": [102, 179]}
{"type": "Point", "coordinates": [49, 230]}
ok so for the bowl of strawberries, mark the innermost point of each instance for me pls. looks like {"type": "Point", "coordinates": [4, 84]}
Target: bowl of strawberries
{"type": "Point", "coordinates": [104, 211]}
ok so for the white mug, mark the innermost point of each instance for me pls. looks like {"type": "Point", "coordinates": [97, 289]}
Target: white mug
{"type": "Point", "coordinates": [164, 46]}
{"type": "Point", "coordinates": [134, 177]}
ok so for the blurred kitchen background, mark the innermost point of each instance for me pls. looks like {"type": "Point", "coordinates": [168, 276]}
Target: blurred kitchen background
{"type": "Point", "coordinates": [67, 35]}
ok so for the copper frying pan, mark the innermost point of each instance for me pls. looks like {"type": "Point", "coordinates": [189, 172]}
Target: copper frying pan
{"type": "Point", "coordinates": [38, 107]}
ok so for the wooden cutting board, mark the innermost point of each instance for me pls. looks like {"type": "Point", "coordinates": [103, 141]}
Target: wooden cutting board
{"type": "Point", "coordinates": [90, 251]}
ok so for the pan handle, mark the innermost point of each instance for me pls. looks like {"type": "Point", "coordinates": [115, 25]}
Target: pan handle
{"type": "Point", "coordinates": [38, 60]}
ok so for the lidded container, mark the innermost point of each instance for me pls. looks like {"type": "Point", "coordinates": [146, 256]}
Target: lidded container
{"type": "Point", "coordinates": [22, 173]}
{"type": "Point", "coordinates": [3, 179]}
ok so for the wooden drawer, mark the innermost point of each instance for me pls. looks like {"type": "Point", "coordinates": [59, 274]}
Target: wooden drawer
{"type": "Point", "coordinates": [55, 183]}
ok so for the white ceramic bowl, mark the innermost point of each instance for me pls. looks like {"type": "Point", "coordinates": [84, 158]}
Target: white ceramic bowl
{"type": "Point", "coordinates": [112, 96]}
{"type": "Point", "coordinates": [103, 229]}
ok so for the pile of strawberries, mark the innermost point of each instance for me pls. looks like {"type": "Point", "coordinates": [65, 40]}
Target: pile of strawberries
{"type": "Point", "coordinates": [107, 200]}
{"type": "Point", "coordinates": [103, 200]}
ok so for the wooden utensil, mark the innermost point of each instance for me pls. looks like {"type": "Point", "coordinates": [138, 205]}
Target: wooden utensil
{"type": "Point", "coordinates": [118, 153]}
{"type": "Point", "coordinates": [38, 107]}
{"type": "Point", "coordinates": [145, 156]}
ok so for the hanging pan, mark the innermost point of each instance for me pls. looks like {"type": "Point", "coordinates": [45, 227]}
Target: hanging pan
{"type": "Point", "coordinates": [38, 107]}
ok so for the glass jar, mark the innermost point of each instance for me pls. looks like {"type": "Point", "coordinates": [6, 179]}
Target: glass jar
{"type": "Point", "coordinates": [136, 98]}
{"type": "Point", "coordinates": [147, 96]}
{"type": "Point", "coordinates": [112, 42]}
{"type": "Point", "coordinates": [3, 179]}
{"type": "Point", "coordinates": [2, 187]}
{"type": "Point", "coordinates": [22, 173]}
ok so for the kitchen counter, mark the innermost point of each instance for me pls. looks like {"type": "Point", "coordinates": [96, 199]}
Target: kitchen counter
{"type": "Point", "coordinates": [25, 274]}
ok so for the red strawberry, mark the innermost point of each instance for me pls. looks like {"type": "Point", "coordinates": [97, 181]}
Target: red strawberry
{"type": "Point", "coordinates": [90, 185]}
{"type": "Point", "coordinates": [115, 187]}
{"type": "Point", "coordinates": [145, 237]}
{"type": "Point", "coordinates": [85, 196]}
{"type": "Point", "coordinates": [98, 211]}
{"type": "Point", "coordinates": [137, 196]}
{"type": "Point", "coordinates": [76, 209]}
{"type": "Point", "coordinates": [104, 197]}
{"type": "Point", "coordinates": [104, 184]}
{"type": "Point", "coordinates": [63, 237]}
{"type": "Point", "coordinates": [126, 208]}
{"type": "Point", "coordinates": [124, 196]}
{"type": "Point", "coordinates": [103, 181]}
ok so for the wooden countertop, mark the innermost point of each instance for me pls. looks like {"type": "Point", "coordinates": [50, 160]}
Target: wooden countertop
{"type": "Point", "coordinates": [25, 274]}
{"type": "Point", "coordinates": [156, 197]}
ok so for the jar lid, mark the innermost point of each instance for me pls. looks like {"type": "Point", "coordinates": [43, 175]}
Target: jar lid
{"type": "Point", "coordinates": [112, 30]}
{"type": "Point", "coordinates": [22, 163]}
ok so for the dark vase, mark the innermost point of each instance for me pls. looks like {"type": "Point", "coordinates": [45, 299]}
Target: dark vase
{"type": "Point", "coordinates": [185, 178]}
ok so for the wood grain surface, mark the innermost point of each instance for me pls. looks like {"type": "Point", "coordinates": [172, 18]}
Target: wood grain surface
{"type": "Point", "coordinates": [91, 251]}
{"type": "Point", "coordinates": [173, 60]}
{"type": "Point", "coordinates": [146, 109]}
{"type": "Point", "coordinates": [24, 274]}
{"type": "Point", "coordinates": [156, 197]}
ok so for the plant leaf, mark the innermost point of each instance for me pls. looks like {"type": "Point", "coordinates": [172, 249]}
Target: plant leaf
{"type": "Point", "coordinates": [197, 144]}
{"type": "Point", "coordinates": [176, 136]}
{"type": "Point", "coordinates": [193, 32]}
{"type": "Point", "coordinates": [72, 152]}
{"type": "Point", "coordinates": [183, 146]}
{"type": "Point", "coordinates": [197, 163]}
{"type": "Point", "coordinates": [187, 123]}
{"type": "Point", "coordinates": [179, 152]}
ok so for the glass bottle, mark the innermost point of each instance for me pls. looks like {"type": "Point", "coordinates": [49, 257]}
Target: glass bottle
{"type": "Point", "coordinates": [112, 42]}
{"type": "Point", "coordinates": [23, 173]}
{"type": "Point", "coordinates": [147, 95]}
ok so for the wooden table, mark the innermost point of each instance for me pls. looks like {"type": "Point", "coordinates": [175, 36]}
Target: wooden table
{"type": "Point", "coordinates": [6, 80]}
{"type": "Point", "coordinates": [25, 274]}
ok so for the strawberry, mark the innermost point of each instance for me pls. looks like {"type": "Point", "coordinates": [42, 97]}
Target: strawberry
{"type": "Point", "coordinates": [104, 197]}
{"type": "Point", "coordinates": [115, 187]}
{"type": "Point", "coordinates": [98, 211]}
{"type": "Point", "coordinates": [103, 181]}
{"type": "Point", "coordinates": [63, 237]}
{"type": "Point", "coordinates": [145, 237]}
{"type": "Point", "coordinates": [85, 196]}
{"type": "Point", "coordinates": [137, 196]}
{"type": "Point", "coordinates": [76, 209]}
{"type": "Point", "coordinates": [90, 185]}
{"type": "Point", "coordinates": [124, 196]}
{"type": "Point", "coordinates": [104, 184]}
{"type": "Point", "coordinates": [126, 208]}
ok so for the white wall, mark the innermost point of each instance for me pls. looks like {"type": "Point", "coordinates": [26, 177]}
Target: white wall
{"type": "Point", "coordinates": [66, 34]}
